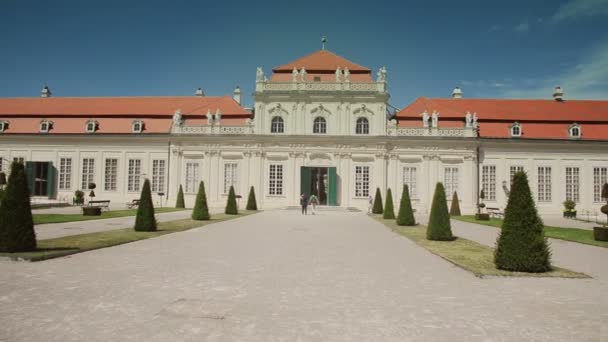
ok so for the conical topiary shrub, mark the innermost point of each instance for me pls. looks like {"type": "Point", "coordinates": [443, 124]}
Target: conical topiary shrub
{"type": "Point", "coordinates": [377, 208]}
{"type": "Point", "coordinates": [180, 198]}
{"type": "Point", "coordinates": [251, 202]}
{"type": "Point", "coordinates": [16, 224]}
{"type": "Point", "coordinates": [201, 211]}
{"type": "Point", "coordinates": [231, 207]}
{"type": "Point", "coordinates": [389, 211]}
{"type": "Point", "coordinates": [145, 220]}
{"type": "Point", "coordinates": [522, 246]}
{"type": "Point", "coordinates": [455, 207]}
{"type": "Point", "coordinates": [406, 214]}
{"type": "Point", "coordinates": [439, 228]}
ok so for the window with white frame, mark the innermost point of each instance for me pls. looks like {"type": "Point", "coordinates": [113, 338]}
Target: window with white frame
{"type": "Point", "coordinates": [110, 174]}
{"type": "Point", "coordinates": [134, 175]}
{"type": "Point", "coordinates": [319, 126]}
{"type": "Point", "coordinates": [450, 181]}
{"type": "Point", "coordinates": [137, 126]}
{"type": "Point", "coordinates": [45, 126]}
{"type": "Point", "coordinates": [362, 126]}
{"type": "Point", "coordinates": [192, 177]}
{"type": "Point", "coordinates": [544, 184]}
{"type": "Point", "coordinates": [275, 180]}
{"type": "Point", "coordinates": [65, 174]}
{"type": "Point", "coordinates": [277, 125]}
{"type": "Point", "coordinates": [230, 176]}
{"type": "Point", "coordinates": [575, 131]}
{"type": "Point", "coordinates": [158, 175]}
{"type": "Point", "coordinates": [88, 172]}
{"type": "Point", "coordinates": [515, 129]}
{"type": "Point", "coordinates": [600, 177]}
{"type": "Point", "coordinates": [91, 126]}
{"type": "Point", "coordinates": [361, 181]}
{"type": "Point", "coordinates": [488, 182]}
{"type": "Point", "coordinates": [513, 170]}
{"type": "Point", "coordinates": [3, 125]}
{"type": "Point", "coordinates": [409, 179]}
{"type": "Point", "coordinates": [572, 184]}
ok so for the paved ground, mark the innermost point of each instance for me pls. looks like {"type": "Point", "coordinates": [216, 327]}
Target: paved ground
{"type": "Point", "coordinates": [278, 276]}
{"type": "Point", "coordinates": [560, 221]}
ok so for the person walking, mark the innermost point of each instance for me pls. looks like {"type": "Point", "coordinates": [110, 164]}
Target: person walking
{"type": "Point", "coordinates": [313, 201]}
{"type": "Point", "coordinates": [370, 204]}
{"type": "Point", "coordinates": [304, 203]}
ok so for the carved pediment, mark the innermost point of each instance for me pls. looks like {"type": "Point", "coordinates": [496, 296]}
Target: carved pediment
{"type": "Point", "coordinates": [319, 156]}
{"type": "Point", "coordinates": [363, 110]}
{"type": "Point", "coordinates": [320, 110]}
{"type": "Point", "coordinates": [278, 110]}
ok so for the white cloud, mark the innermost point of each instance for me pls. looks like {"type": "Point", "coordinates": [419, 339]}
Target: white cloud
{"type": "Point", "coordinates": [524, 27]}
{"type": "Point", "coordinates": [575, 9]}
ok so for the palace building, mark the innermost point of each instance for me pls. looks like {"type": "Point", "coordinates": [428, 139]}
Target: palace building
{"type": "Point", "coordinates": [320, 124]}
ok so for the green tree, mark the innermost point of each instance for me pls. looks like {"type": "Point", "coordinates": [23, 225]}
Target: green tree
{"type": "Point", "coordinates": [389, 211]}
{"type": "Point", "coordinates": [231, 207]}
{"type": "Point", "coordinates": [377, 208]}
{"type": "Point", "coordinates": [406, 214]}
{"type": "Point", "coordinates": [145, 220]}
{"type": "Point", "coordinates": [201, 211]}
{"type": "Point", "coordinates": [16, 223]}
{"type": "Point", "coordinates": [455, 207]}
{"type": "Point", "coordinates": [439, 228]}
{"type": "Point", "coordinates": [180, 198]}
{"type": "Point", "coordinates": [251, 202]}
{"type": "Point", "coordinates": [522, 246]}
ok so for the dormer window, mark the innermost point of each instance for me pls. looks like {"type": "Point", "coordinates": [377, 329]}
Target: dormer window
{"type": "Point", "coordinates": [137, 126]}
{"type": "Point", "coordinates": [3, 126]}
{"type": "Point", "coordinates": [516, 130]}
{"type": "Point", "coordinates": [575, 131]}
{"type": "Point", "coordinates": [45, 126]}
{"type": "Point", "coordinates": [91, 126]}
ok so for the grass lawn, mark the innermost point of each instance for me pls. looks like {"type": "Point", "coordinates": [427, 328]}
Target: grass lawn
{"type": "Point", "coordinates": [54, 248]}
{"type": "Point", "coordinates": [60, 218]}
{"type": "Point", "coordinates": [569, 234]}
{"type": "Point", "coordinates": [467, 254]}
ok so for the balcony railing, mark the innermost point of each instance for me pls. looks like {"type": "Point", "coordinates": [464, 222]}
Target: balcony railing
{"type": "Point", "coordinates": [379, 87]}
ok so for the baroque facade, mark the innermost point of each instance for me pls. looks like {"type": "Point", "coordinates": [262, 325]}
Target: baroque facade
{"type": "Point", "coordinates": [320, 125]}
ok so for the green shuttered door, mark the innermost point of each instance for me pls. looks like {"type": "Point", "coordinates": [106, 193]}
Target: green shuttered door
{"type": "Point", "coordinates": [50, 180]}
{"type": "Point", "coordinates": [333, 186]}
{"type": "Point", "coordinates": [304, 181]}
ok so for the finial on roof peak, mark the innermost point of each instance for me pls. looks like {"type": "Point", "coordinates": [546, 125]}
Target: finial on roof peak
{"type": "Point", "coordinates": [323, 41]}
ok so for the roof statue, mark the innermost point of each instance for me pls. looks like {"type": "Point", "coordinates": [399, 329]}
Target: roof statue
{"type": "Point", "coordinates": [294, 75]}
{"type": "Point", "coordinates": [338, 74]}
{"type": "Point", "coordinates": [474, 123]}
{"type": "Point", "coordinates": [218, 115]}
{"type": "Point", "coordinates": [435, 119]}
{"type": "Point", "coordinates": [259, 75]}
{"type": "Point", "coordinates": [468, 120]}
{"type": "Point", "coordinates": [210, 116]}
{"type": "Point", "coordinates": [177, 118]}
{"type": "Point", "coordinates": [382, 74]}
{"type": "Point", "coordinates": [303, 74]}
{"type": "Point", "coordinates": [425, 119]}
{"type": "Point", "coordinates": [346, 74]}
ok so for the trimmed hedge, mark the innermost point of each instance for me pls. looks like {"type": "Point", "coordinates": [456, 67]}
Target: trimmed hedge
{"type": "Point", "coordinates": [145, 220]}
{"type": "Point", "coordinates": [377, 208]}
{"type": "Point", "coordinates": [251, 202]}
{"type": "Point", "coordinates": [180, 198]}
{"type": "Point", "coordinates": [16, 223]}
{"type": "Point", "coordinates": [439, 228]}
{"type": "Point", "coordinates": [389, 211]}
{"type": "Point", "coordinates": [231, 207]}
{"type": "Point", "coordinates": [406, 214]}
{"type": "Point", "coordinates": [455, 207]}
{"type": "Point", "coordinates": [201, 210]}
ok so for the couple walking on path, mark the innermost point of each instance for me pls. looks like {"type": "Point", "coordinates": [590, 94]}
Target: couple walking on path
{"type": "Point", "coordinates": [305, 201]}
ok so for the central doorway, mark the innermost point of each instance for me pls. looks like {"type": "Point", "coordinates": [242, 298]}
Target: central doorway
{"type": "Point", "coordinates": [40, 178]}
{"type": "Point", "coordinates": [321, 181]}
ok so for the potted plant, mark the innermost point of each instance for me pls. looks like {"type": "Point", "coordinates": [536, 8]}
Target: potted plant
{"type": "Point", "coordinates": [482, 216]}
{"type": "Point", "coordinates": [601, 233]}
{"type": "Point", "coordinates": [78, 198]}
{"type": "Point", "coordinates": [569, 209]}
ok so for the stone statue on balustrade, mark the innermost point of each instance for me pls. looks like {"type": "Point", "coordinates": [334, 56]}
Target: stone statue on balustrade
{"type": "Point", "coordinates": [346, 74]}
{"type": "Point", "coordinates": [294, 75]}
{"type": "Point", "coordinates": [177, 118]}
{"type": "Point", "coordinates": [435, 119]}
{"type": "Point", "coordinates": [338, 74]}
{"type": "Point", "coordinates": [303, 74]}
{"type": "Point", "coordinates": [468, 120]}
{"type": "Point", "coordinates": [382, 75]}
{"type": "Point", "coordinates": [259, 75]}
{"type": "Point", "coordinates": [425, 119]}
{"type": "Point", "coordinates": [209, 117]}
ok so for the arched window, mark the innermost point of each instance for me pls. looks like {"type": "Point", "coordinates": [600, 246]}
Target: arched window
{"type": "Point", "coordinates": [362, 126]}
{"type": "Point", "coordinates": [319, 126]}
{"type": "Point", "coordinates": [575, 131]}
{"type": "Point", "coordinates": [276, 125]}
{"type": "Point", "coordinates": [516, 130]}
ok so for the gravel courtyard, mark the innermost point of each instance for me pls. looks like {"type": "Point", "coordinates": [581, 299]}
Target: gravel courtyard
{"type": "Point", "coordinates": [280, 276]}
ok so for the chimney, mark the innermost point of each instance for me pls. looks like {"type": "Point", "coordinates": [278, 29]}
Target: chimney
{"type": "Point", "coordinates": [46, 92]}
{"type": "Point", "coordinates": [236, 95]}
{"type": "Point", "coordinates": [199, 92]}
{"type": "Point", "coordinates": [457, 93]}
{"type": "Point", "coordinates": [558, 94]}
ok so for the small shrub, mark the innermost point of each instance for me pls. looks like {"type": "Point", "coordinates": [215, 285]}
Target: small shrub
{"type": "Point", "coordinates": [251, 202]}
{"type": "Point", "coordinates": [231, 207]}
{"type": "Point", "coordinates": [439, 228]}
{"type": "Point", "coordinates": [406, 214]}
{"type": "Point", "coordinates": [201, 211]}
{"type": "Point", "coordinates": [377, 208]}
{"type": "Point", "coordinates": [180, 203]}
{"type": "Point", "coordinates": [16, 223]}
{"type": "Point", "coordinates": [455, 207]}
{"type": "Point", "coordinates": [145, 220]}
{"type": "Point", "coordinates": [389, 211]}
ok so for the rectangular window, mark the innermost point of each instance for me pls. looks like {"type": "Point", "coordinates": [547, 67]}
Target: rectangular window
{"type": "Point", "coordinates": [514, 170]}
{"type": "Point", "coordinates": [544, 184]}
{"type": "Point", "coordinates": [275, 180]}
{"type": "Point", "coordinates": [88, 172]}
{"type": "Point", "coordinates": [600, 177]}
{"type": "Point", "coordinates": [230, 177]}
{"type": "Point", "coordinates": [158, 175]}
{"type": "Point", "coordinates": [572, 184]}
{"type": "Point", "coordinates": [450, 181]}
{"type": "Point", "coordinates": [488, 182]}
{"type": "Point", "coordinates": [134, 175]}
{"type": "Point", "coordinates": [111, 174]}
{"type": "Point", "coordinates": [409, 178]}
{"type": "Point", "coordinates": [361, 181]}
{"type": "Point", "coordinates": [191, 177]}
{"type": "Point", "coordinates": [65, 173]}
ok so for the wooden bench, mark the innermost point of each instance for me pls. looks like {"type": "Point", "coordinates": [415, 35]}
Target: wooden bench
{"type": "Point", "coordinates": [133, 203]}
{"type": "Point", "coordinates": [103, 204]}
{"type": "Point", "coordinates": [495, 212]}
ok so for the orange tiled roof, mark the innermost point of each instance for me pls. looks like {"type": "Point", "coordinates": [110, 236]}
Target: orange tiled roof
{"type": "Point", "coordinates": [322, 60]}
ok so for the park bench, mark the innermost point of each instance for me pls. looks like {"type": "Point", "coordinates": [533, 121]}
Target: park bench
{"type": "Point", "coordinates": [495, 212]}
{"type": "Point", "coordinates": [103, 204]}
{"type": "Point", "coordinates": [134, 203]}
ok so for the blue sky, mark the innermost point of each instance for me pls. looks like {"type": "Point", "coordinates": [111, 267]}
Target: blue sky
{"type": "Point", "coordinates": [495, 49]}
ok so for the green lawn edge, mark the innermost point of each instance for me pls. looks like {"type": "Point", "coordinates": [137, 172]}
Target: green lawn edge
{"type": "Point", "coordinates": [468, 255]}
{"type": "Point", "coordinates": [583, 236]}
{"type": "Point", "coordinates": [73, 244]}
{"type": "Point", "coordinates": [41, 219]}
